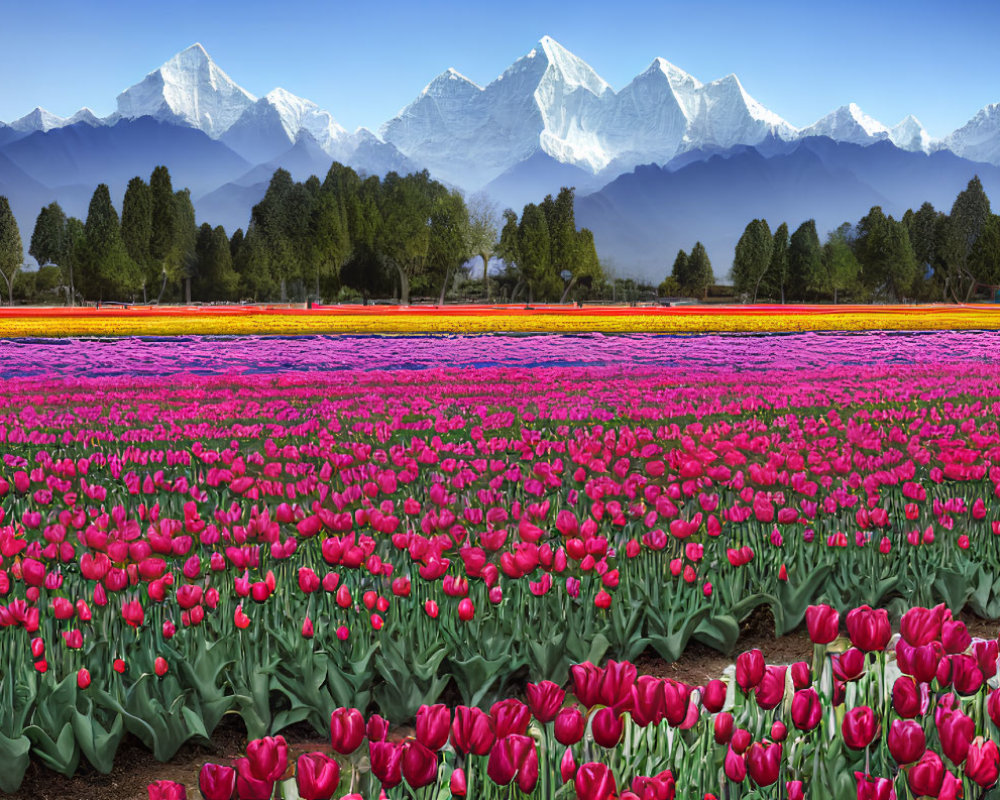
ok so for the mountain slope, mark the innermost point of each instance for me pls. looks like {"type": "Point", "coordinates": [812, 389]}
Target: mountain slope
{"type": "Point", "coordinates": [641, 219]}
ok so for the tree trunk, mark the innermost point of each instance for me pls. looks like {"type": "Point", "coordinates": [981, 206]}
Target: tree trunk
{"type": "Point", "coordinates": [72, 290]}
{"type": "Point", "coordinates": [444, 287]}
{"type": "Point", "coordinates": [569, 288]}
{"type": "Point", "coordinates": [317, 285]}
{"type": "Point", "coordinates": [835, 295]}
{"type": "Point", "coordinates": [187, 291]}
{"type": "Point", "coordinates": [486, 277]}
{"type": "Point", "coordinates": [782, 294]}
{"type": "Point", "coordinates": [404, 287]}
{"type": "Point", "coordinates": [163, 288]}
{"type": "Point", "coordinates": [284, 291]}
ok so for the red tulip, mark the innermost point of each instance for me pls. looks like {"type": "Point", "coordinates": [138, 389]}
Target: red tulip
{"type": "Point", "coordinates": [347, 730]}
{"type": "Point", "coordinates": [983, 762]}
{"type": "Point", "coordinates": [823, 623]}
{"type": "Point", "coordinates": [907, 697]}
{"type": "Point", "coordinates": [457, 784]}
{"type": "Point", "coordinates": [740, 740]}
{"type": "Point", "coordinates": [595, 782]}
{"type": "Point", "coordinates": [587, 683]}
{"type": "Point", "coordinates": [955, 731]}
{"type": "Point", "coordinates": [807, 709]}
{"type": "Point", "coordinates": [795, 790]}
{"type": "Point", "coordinates": [567, 766]}
{"type": "Point", "coordinates": [217, 782]}
{"type": "Point", "coordinates": [763, 762]}
{"type": "Point", "coordinates": [713, 698]}
{"type": "Point", "coordinates": [955, 636]}
{"type": "Point", "coordinates": [386, 762]}
{"type": "Point", "coordinates": [160, 666]}
{"type": "Point", "coordinates": [569, 727]}
{"type": "Point", "coordinates": [870, 788]}
{"type": "Point", "coordinates": [906, 741]}
{"type": "Point", "coordinates": [466, 610]}
{"type": "Point", "coordinates": [749, 669]}
{"type": "Point", "coordinates": [993, 706]}
{"type": "Point", "coordinates": [83, 678]}
{"type": "Point", "coordinates": [735, 766]}
{"type": "Point", "coordinates": [921, 626]}
{"type": "Point", "coordinates": [509, 716]}
{"type": "Point", "coordinates": [616, 684]}
{"type": "Point", "coordinates": [607, 727]}
{"type": "Point", "coordinates": [472, 731]}
{"type": "Point", "coordinates": [859, 727]}
{"type": "Point", "coordinates": [377, 728]}
{"type": "Point", "coordinates": [168, 790]}
{"type": "Point", "coordinates": [432, 725]}
{"type": "Point", "coordinates": [268, 757]}
{"type": "Point", "coordinates": [926, 776]}
{"type": "Point", "coordinates": [545, 699]}
{"type": "Point", "coordinates": [248, 785]}
{"type": "Point", "coordinates": [648, 704]}
{"type": "Point", "coordinates": [771, 689]}
{"type": "Point", "coordinates": [849, 665]}
{"type": "Point", "coordinates": [508, 756]}
{"type": "Point", "coordinates": [317, 776]}
{"type": "Point", "coordinates": [420, 765]}
{"type": "Point", "coordinates": [966, 676]}
{"type": "Point", "coordinates": [722, 727]}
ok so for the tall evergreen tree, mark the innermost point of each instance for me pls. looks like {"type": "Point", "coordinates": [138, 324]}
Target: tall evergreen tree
{"type": "Point", "coordinates": [535, 251]}
{"type": "Point", "coordinates": [969, 215]}
{"type": "Point", "coordinates": [163, 248]}
{"type": "Point", "coordinates": [752, 258]}
{"type": "Point", "coordinates": [110, 273]}
{"type": "Point", "coordinates": [984, 259]}
{"type": "Point", "coordinates": [216, 278]}
{"type": "Point", "coordinates": [804, 260]}
{"type": "Point", "coordinates": [48, 241]}
{"type": "Point", "coordinates": [11, 252]}
{"type": "Point", "coordinates": [679, 275]}
{"type": "Point", "coordinates": [888, 264]}
{"type": "Point", "coordinates": [699, 271]}
{"type": "Point", "coordinates": [448, 245]}
{"type": "Point", "coordinates": [776, 278]}
{"type": "Point", "coordinates": [137, 231]}
{"type": "Point", "coordinates": [185, 238]}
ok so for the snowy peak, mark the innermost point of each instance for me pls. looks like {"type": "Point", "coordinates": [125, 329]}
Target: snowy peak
{"type": "Point", "coordinates": [979, 138]}
{"type": "Point", "coordinates": [678, 79]}
{"type": "Point", "coordinates": [848, 124]}
{"type": "Point", "coordinates": [191, 89]}
{"type": "Point", "coordinates": [570, 69]}
{"type": "Point", "coordinates": [451, 83]}
{"type": "Point", "coordinates": [37, 120]}
{"type": "Point", "coordinates": [910, 135]}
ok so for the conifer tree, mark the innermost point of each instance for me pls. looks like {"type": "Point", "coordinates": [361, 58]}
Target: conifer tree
{"type": "Point", "coordinates": [11, 252]}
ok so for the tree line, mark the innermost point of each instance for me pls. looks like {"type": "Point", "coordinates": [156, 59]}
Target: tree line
{"type": "Point", "coordinates": [925, 256]}
{"type": "Point", "coordinates": [345, 236]}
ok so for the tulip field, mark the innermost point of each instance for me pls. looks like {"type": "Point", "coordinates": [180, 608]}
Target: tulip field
{"type": "Point", "coordinates": [443, 555]}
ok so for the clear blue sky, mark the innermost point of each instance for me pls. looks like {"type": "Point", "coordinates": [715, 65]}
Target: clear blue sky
{"type": "Point", "coordinates": [365, 60]}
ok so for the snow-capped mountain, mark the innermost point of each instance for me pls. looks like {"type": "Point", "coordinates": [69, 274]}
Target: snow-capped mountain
{"type": "Point", "coordinates": [852, 125]}
{"type": "Point", "coordinates": [847, 124]}
{"type": "Point", "coordinates": [553, 102]}
{"type": "Point", "coordinates": [979, 138]}
{"type": "Point", "coordinates": [38, 119]}
{"type": "Point", "coordinates": [189, 89]}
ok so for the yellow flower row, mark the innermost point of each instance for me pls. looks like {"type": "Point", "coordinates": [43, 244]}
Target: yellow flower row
{"type": "Point", "coordinates": [257, 321]}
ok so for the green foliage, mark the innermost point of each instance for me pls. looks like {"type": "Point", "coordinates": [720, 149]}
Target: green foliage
{"type": "Point", "coordinates": [679, 272]}
{"type": "Point", "coordinates": [888, 263]}
{"type": "Point", "coordinates": [984, 258]}
{"type": "Point", "coordinates": [775, 281]}
{"type": "Point", "coordinates": [137, 228]}
{"type": "Point", "coordinates": [804, 260]}
{"type": "Point", "coordinates": [216, 278]}
{"type": "Point", "coordinates": [535, 250]}
{"type": "Point", "coordinates": [11, 252]}
{"type": "Point", "coordinates": [48, 241]}
{"type": "Point", "coordinates": [752, 258]}
{"type": "Point", "coordinates": [108, 272]}
{"type": "Point", "coordinates": [839, 266]}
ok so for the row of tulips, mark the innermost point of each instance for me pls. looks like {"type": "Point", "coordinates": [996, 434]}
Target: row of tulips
{"type": "Point", "coordinates": [275, 548]}
{"type": "Point", "coordinates": [875, 715]}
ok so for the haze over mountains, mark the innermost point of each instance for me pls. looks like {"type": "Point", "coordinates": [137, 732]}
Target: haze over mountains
{"type": "Point", "coordinates": [659, 163]}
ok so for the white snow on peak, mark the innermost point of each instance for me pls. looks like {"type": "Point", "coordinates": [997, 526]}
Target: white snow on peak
{"type": "Point", "coordinates": [298, 114]}
{"type": "Point", "coordinates": [552, 101]}
{"type": "Point", "coordinates": [37, 119]}
{"type": "Point", "coordinates": [979, 138]}
{"type": "Point", "coordinates": [449, 83]}
{"type": "Point", "coordinates": [573, 71]}
{"type": "Point", "coordinates": [909, 134]}
{"type": "Point", "coordinates": [678, 78]}
{"type": "Point", "coordinates": [86, 116]}
{"type": "Point", "coordinates": [848, 124]}
{"type": "Point", "coordinates": [189, 88]}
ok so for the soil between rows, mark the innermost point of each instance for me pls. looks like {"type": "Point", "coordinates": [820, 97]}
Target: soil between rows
{"type": "Point", "coordinates": [135, 766]}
